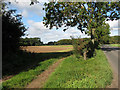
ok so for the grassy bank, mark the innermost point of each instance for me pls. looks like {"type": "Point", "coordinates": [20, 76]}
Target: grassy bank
{"type": "Point", "coordinates": [77, 73]}
{"type": "Point", "coordinates": [14, 63]}
{"type": "Point", "coordinates": [26, 66]}
{"type": "Point", "coordinates": [115, 45]}
{"type": "Point", "coordinates": [23, 78]}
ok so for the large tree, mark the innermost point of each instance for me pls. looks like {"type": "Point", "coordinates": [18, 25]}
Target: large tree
{"type": "Point", "coordinates": [89, 15]}
{"type": "Point", "coordinates": [12, 30]}
{"type": "Point", "coordinates": [102, 33]}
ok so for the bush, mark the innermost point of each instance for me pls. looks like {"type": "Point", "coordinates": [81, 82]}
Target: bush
{"type": "Point", "coordinates": [84, 47]}
{"type": "Point", "coordinates": [80, 46]}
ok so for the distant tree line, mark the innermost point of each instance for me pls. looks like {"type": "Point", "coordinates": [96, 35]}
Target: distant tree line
{"type": "Point", "coordinates": [63, 42]}
{"type": "Point", "coordinates": [30, 42]}
{"type": "Point", "coordinates": [103, 40]}
{"type": "Point", "coordinates": [37, 41]}
{"type": "Point", "coordinates": [114, 40]}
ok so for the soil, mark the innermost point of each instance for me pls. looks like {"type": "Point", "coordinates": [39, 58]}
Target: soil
{"type": "Point", "coordinates": [43, 77]}
{"type": "Point", "coordinates": [6, 78]}
{"type": "Point", "coordinates": [44, 49]}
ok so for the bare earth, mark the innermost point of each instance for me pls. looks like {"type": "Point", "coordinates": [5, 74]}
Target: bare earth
{"type": "Point", "coordinates": [46, 49]}
{"type": "Point", "coordinates": [42, 78]}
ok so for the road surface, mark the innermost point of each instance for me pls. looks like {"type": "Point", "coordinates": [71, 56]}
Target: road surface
{"type": "Point", "coordinates": [112, 54]}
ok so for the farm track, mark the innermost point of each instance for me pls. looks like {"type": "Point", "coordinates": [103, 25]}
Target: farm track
{"type": "Point", "coordinates": [43, 77]}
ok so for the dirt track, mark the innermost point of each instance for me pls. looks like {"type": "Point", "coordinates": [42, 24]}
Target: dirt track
{"type": "Point", "coordinates": [46, 49]}
{"type": "Point", "coordinates": [42, 78]}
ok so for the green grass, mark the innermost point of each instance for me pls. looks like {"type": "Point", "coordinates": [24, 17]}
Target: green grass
{"type": "Point", "coordinates": [115, 45]}
{"type": "Point", "coordinates": [78, 73]}
{"type": "Point", "coordinates": [23, 78]}
{"type": "Point", "coordinates": [26, 66]}
{"type": "Point", "coordinates": [65, 50]}
{"type": "Point", "coordinates": [63, 46]}
{"type": "Point", "coordinates": [59, 45]}
{"type": "Point", "coordinates": [14, 63]}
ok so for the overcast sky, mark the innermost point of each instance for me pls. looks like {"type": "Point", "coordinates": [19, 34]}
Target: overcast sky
{"type": "Point", "coordinates": [33, 16]}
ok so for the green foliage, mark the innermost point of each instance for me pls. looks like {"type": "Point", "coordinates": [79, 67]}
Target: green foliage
{"type": "Point", "coordinates": [12, 30]}
{"type": "Point", "coordinates": [51, 43]}
{"type": "Point", "coordinates": [64, 42]}
{"type": "Point", "coordinates": [81, 14]}
{"type": "Point", "coordinates": [102, 33]}
{"type": "Point", "coordinates": [83, 45]}
{"type": "Point", "coordinates": [30, 42]}
{"type": "Point", "coordinates": [78, 46]}
{"type": "Point", "coordinates": [78, 73]}
{"type": "Point", "coordinates": [87, 16]}
{"type": "Point", "coordinates": [114, 40]}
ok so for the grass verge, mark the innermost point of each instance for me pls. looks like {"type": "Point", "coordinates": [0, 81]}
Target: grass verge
{"type": "Point", "coordinates": [78, 73]}
{"type": "Point", "coordinates": [23, 78]}
{"type": "Point", "coordinates": [14, 63]}
{"type": "Point", "coordinates": [115, 45]}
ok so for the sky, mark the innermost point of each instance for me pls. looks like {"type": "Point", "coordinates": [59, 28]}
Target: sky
{"type": "Point", "coordinates": [33, 19]}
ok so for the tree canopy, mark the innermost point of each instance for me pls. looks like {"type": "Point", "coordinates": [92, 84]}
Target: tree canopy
{"type": "Point", "coordinates": [12, 30]}
{"type": "Point", "coordinates": [87, 16]}
{"type": "Point", "coordinates": [81, 14]}
{"type": "Point", "coordinates": [102, 33]}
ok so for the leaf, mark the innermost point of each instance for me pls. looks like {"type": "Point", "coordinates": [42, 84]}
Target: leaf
{"type": "Point", "coordinates": [64, 30]}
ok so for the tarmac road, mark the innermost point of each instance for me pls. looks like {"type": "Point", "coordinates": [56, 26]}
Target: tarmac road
{"type": "Point", "coordinates": [112, 54]}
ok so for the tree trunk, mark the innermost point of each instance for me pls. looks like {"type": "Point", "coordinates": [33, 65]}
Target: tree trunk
{"type": "Point", "coordinates": [92, 35]}
{"type": "Point", "coordinates": [85, 55]}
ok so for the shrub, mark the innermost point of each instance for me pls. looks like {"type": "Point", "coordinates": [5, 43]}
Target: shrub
{"type": "Point", "coordinates": [84, 47]}
{"type": "Point", "coordinates": [80, 46]}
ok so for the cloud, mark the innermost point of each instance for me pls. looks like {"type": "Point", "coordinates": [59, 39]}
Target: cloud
{"type": "Point", "coordinates": [28, 10]}
{"type": "Point", "coordinates": [25, 13]}
{"type": "Point", "coordinates": [114, 27]}
{"type": "Point", "coordinates": [113, 24]}
{"type": "Point", "coordinates": [37, 29]}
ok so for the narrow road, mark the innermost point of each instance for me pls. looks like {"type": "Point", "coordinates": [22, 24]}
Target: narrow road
{"type": "Point", "coordinates": [112, 54]}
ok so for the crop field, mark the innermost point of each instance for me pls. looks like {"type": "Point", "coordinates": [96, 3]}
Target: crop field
{"type": "Point", "coordinates": [47, 49]}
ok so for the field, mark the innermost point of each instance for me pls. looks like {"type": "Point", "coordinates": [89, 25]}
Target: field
{"type": "Point", "coordinates": [47, 49]}
{"type": "Point", "coordinates": [26, 65]}
{"type": "Point", "coordinates": [21, 68]}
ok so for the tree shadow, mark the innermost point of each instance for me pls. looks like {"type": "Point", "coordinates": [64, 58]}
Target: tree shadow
{"type": "Point", "coordinates": [20, 61]}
